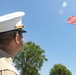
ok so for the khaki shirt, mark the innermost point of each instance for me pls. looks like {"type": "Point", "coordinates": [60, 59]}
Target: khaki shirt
{"type": "Point", "coordinates": [6, 67]}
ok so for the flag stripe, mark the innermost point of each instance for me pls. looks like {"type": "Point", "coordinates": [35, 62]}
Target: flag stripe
{"type": "Point", "coordinates": [71, 20]}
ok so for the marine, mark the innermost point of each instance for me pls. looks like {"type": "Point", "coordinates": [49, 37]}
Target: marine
{"type": "Point", "coordinates": [11, 41]}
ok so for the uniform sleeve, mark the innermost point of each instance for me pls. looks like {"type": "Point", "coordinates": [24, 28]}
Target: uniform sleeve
{"type": "Point", "coordinates": [7, 72]}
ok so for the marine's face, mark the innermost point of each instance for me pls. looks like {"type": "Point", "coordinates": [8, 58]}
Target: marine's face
{"type": "Point", "coordinates": [21, 40]}
{"type": "Point", "coordinates": [21, 43]}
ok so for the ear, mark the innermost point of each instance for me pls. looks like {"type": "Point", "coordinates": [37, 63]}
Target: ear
{"type": "Point", "coordinates": [17, 39]}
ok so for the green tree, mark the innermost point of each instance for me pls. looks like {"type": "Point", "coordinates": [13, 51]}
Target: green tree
{"type": "Point", "coordinates": [59, 69]}
{"type": "Point", "coordinates": [30, 60]}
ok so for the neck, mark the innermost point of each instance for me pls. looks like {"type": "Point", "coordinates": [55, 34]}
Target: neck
{"type": "Point", "coordinates": [11, 51]}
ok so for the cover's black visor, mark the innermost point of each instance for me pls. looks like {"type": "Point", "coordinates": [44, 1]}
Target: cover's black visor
{"type": "Point", "coordinates": [21, 30]}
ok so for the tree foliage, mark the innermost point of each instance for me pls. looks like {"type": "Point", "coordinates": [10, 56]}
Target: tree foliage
{"type": "Point", "coordinates": [30, 60]}
{"type": "Point", "coordinates": [59, 69]}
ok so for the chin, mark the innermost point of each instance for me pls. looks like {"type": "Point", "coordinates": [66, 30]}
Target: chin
{"type": "Point", "coordinates": [21, 49]}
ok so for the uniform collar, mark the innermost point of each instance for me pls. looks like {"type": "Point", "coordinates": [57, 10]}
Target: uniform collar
{"type": "Point", "coordinates": [5, 54]}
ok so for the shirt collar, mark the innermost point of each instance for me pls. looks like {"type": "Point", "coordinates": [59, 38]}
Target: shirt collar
{"type": "Point", "coordinates": [5, 54]}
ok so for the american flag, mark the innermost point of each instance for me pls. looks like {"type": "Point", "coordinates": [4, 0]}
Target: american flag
{"type": "Point", "coordinates": [72, 20]}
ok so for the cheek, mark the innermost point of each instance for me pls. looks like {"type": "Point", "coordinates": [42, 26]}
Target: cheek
{"type": "Point", "coordinates": [22, 42]}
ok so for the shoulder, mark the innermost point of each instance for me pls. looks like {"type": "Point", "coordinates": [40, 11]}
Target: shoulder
{"type": "Point", "coordinates": [7, 72]}
{"type": "Point", "coordinates": [6, 67]}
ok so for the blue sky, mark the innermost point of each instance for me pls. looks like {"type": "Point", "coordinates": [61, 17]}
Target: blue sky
{"type": "Point", "coordinates": [45, 22]}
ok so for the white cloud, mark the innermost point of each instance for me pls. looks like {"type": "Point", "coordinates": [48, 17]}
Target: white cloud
{"type": "Point", "coordinates": [64, 4]}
